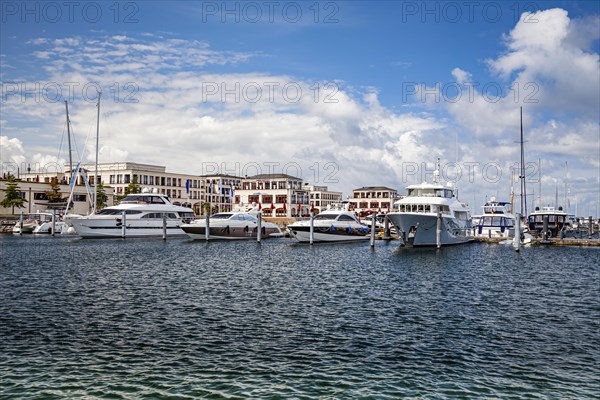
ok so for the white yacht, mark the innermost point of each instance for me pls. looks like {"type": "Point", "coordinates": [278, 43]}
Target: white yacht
{"type": "Point", "coordinates": [143, 218]}
{"type": "Point", "coordinates": [417, 217]}
{"type": "Point", "coordinates": [497, 221]}
{"type": "Point", "coordinates": [31, 221]}
{"type": "Point", "coordinates": [336, 224]}
{"type": "Point", "coordinates": [234, 225]}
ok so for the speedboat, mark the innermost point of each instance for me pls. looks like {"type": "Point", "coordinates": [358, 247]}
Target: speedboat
{"type": "Point", "coordinates": [142, 214]}
{"type": "Point", "coordinates": [427, 207]}
{"type": "Point", "coordinates": [34, 223]}
{"type": "Point", "coordinates": [232, 225]}
{"type": "Point", "coordinates": [557, 221]}
{"type": "Point", "coordinates": [497, 220]}
{"type": "Point", "coordinates": [336, 224]}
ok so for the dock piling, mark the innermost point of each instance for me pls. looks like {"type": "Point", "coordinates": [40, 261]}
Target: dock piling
{"type": "Point", "coordinates": [386, 228]}
{"type": "Point", "coordinates": [124, 224]}
{"type": "Point", "coordinates": [207, 227]}
{"type": "Point", "coordinates": [517, 240]}
{"type": "Point", "coordinates": [259, 226]}
{"type": "Point", "coordinates": [373, 231]}
{"type": "Point", "coordinates": [53, 228]}
{"type": "Point", "coordinates": [438, 230]}
{"type": "Point", "coordinates": [311, 232]}
{"type": "Point", "coordinates": [21, 217]}
{"type": "Point", "coordinates": [164, 226]}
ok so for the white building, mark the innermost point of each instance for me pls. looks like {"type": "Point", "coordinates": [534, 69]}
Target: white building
{"type": "Point", "coordinates": [183, 189]}
{"type": "Point", "coordinates": [321, 197]}
{"type": "Point", "coordinates": [37, 200]}
{"type": "Point", "coordinates": [373, 199]}
{"type": "Point", "coordinates": [277, 195]}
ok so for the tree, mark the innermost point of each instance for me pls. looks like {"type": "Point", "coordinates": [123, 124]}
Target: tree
{"type": "Point", "coordinates": [102, 197]}
{"type": "Point", "coordinates": [133, 187]}
{"type": "Point", "coordinates": [12, 197]}
{"type": "Point", "coordinates": [206, 207]}
{"type": "Point", "coordinates": [54, 195]}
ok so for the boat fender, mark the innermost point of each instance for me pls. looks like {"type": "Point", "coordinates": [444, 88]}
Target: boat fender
{"type": "Point", "coordinates": [227, 229]}
{"type": "Point", "coordinates": [349, 230]}
{"type": "Point", "coordinates": [332, 229]}
{"type": "Point", "coordinates": [263, 230]}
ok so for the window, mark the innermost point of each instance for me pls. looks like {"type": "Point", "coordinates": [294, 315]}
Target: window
{"type": "Point", "coordinates": [344, 217]}
{"type": "Point", "coordinates": [169, 181]}
{"type": "Point", "coordinates": [127, 178]}
{"type": "Point", "coordinates": [40, 196]}
{"type": "Point", "coordinates": [111, 179]}
{"type": "Point", "coordinates": [119, 178]}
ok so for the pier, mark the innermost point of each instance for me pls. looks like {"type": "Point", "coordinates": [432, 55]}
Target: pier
{"type": "Point", "coordinates": [581, 242]}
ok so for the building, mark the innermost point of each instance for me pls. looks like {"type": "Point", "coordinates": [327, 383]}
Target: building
{"type": "Point", "coordinates": [183, 189]}
{"type": "Point", "coordinates": [37, 200]}
{"type": "Point", "coordinates": [277, 195]}
{"type": "Point", "coordinates": [321, 198]}
{"type": "Point", "coordinates": [367, 200]}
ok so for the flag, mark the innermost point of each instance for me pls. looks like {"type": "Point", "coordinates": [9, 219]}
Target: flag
{"type": "Point", "coordinates": [231, 190]}
{"type": "Point", "coordinates": [74, 176]}
{"type": "Point", "coordinates": [187, 186]}
{"type": "Point", "coordinates": [210, 187]}
{"type": "Point", "coordinates": [299, 209]}
{"type": "Point", "coordinates": [312, 206]}
{"type": "Point", "coordinates": [220, 186]}
{"type": "Point", "coordinates": [259, 206]}
{"type": "Point", "coordinates": [85, 180]}
{"type": "Point", "coordinates": [272, 206]}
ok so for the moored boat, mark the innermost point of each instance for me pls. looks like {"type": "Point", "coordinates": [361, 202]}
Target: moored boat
{"type": "Point", "coordinates": [144, 213]}
{"type": "Point", "coordinates": [430, 215]}
{"type": "Point", "coordinates": [231, 226]}
{"type": "Point", "coordinates": [336, 224]}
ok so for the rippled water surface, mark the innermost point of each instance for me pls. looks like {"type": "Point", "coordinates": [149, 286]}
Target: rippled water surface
{"type": "Point", "coordinates": [141, 318]}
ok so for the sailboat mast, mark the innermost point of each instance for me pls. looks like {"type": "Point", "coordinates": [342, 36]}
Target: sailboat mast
{"type": "Point", "coordinates": [523, 187]}
{"type": "Point", "coordinates": [566, 204]}
{"type": "Point", "coordinates": [96, 165]}
{"type": "Point", "coordinates": [540, 183]}
{"type": "Point", "coordinates": [69, 138]}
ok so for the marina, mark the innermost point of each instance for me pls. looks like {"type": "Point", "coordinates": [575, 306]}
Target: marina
{"type": "Point", "coordinates": [153, 318]}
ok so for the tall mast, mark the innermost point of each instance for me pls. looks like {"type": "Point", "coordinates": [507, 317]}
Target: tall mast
{"type": "Point", "coordinates": [69, 138]}
{"type": "Point", "coordinates": [540, 183]}
{"type": "Point", "coordinates": [566, 204]}
{"type": "Point", "coordinates": [96, 166]}
{"type": "Point", "coordinates": [523, 188]}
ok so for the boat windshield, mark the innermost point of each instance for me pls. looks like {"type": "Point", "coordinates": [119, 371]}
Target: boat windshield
{"type": "Point", "coordinates": [221, 216]}
{"type": "Point", "coordinates": [430, 192]}
{"type": "Point", "coordinates": [112, 211]}
{"type": "Point", "coordinates": [143, 199]}
{"type": "Point", "coordinates": [325, 216]}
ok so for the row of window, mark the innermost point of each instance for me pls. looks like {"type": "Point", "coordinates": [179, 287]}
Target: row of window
{"type": "Point", "coordinates": [271, 185]}
{"type": "Point", "coordinates": [371, 195]}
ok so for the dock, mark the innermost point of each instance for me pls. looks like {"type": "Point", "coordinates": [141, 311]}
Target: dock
{"type": "Point", "coordinates": [581, 242]}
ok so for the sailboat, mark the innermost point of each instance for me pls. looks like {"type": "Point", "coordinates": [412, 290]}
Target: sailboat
{"type": "Point", "coordinates": [138, 215]}
{"type": "Point", "coordinates": [522, 235]}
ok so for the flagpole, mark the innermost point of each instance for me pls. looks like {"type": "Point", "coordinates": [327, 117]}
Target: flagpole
{"type": "Point", "coordinates": [96, 166]}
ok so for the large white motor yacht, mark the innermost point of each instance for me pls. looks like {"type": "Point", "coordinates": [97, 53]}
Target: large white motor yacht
{"type": "Point", "coordinates": [143, 217]}
{"type": "Point", "coordinates": [418, 214]}
{"type": "Point", "coordinates": [336, 224]}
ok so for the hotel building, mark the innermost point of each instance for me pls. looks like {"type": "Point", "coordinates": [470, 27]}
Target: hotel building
{"type": "Point", "coordinates": [367, 200]}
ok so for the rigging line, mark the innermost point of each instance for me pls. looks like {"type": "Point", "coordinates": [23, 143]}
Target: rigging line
{"type": "Point", "coordinates": [62, 138]}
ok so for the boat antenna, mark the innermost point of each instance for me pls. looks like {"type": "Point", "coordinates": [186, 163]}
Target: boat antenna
{"type": "Point", "coordinates": [69, 138]}
{"type": "Point", "coordinates": [436, 173]}
{"type": "Point", "coordinates": [96, 165]}
{"type": "Point", "coordinates": [566, 204]}
{"type": "Point", "coordinates": [522, 176]}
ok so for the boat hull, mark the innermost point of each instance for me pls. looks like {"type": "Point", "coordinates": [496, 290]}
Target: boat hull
{"type": "Point", "coordinates": [419, 229]}
{"type": "Point", "coordinates": [198, 232]}
{"type": "Point", "coordinates": [106, 228]}
{"type": "Point", "coordinates": [327, 234]}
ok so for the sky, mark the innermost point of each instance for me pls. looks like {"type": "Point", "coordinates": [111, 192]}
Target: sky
{"type": "Point", "coordinates": [344, 94]}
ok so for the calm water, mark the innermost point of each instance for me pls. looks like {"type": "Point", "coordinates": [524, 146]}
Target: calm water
{"type": "Point", "coordinates": [181, 319]}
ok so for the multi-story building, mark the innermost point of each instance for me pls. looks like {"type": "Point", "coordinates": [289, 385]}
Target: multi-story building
{"type": "Point", "coordinates": [184, 189]}
{"type": "Point", "coordinates": [370, 199]}
{"type": "Point", "coordinates": [321, 197]}
{"type": "Point", "coordinates": [35, 194]}
{"type": "Point", "coordinates": [277, 195]}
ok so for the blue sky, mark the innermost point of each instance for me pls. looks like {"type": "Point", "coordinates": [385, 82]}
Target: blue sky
{"type": "Point", "coordinates": [371, 61]}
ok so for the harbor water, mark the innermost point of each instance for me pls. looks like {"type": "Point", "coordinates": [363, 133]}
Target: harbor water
{"type": "Point", "coordinates": [178, 319]}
